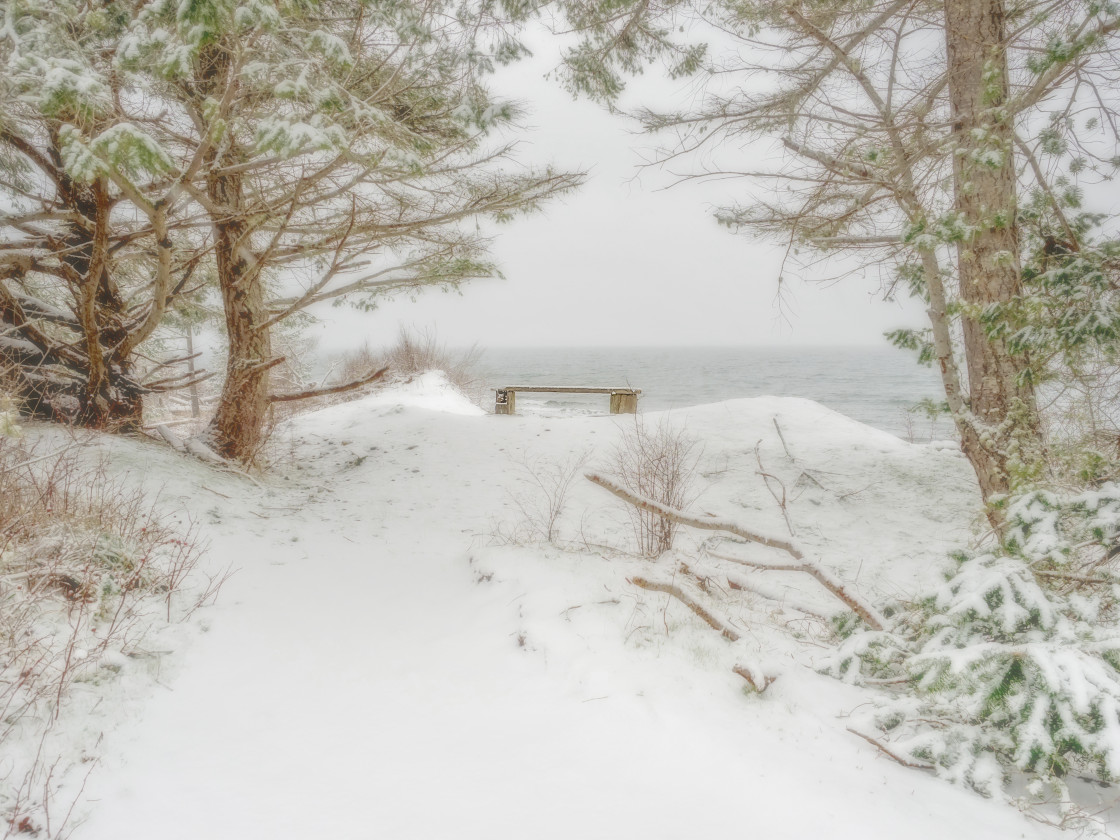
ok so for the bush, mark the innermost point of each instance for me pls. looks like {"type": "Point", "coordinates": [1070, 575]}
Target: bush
{"type": "Point", "coordinates": [87, 568]}
{"type": "Point", "coordinates": [1014, 663]}
{"type": "Point", "coordinates": [657, 464]}
{"type": "Point", "coordinates": [543, 499]}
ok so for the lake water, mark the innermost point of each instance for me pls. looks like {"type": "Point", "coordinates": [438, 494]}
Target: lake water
{"type": "Point", "coordinates": [876, 386]}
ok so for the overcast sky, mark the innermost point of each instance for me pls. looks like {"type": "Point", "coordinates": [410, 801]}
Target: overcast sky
{"type": "Point", "coordinates": [622, 262]}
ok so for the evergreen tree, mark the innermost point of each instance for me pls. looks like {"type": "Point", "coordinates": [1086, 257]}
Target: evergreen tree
{"type": "Point", "coordinates": [342, 148]}
{"type": "Point", "coordinates": [309, 151]}
{"type": "Point", "coordinates": [77, 263]}
{"type": "Point", "coordinates": [912, 131]}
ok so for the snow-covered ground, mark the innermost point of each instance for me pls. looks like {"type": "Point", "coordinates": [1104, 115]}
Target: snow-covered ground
{"type": "Point", "coordinates": [385, 664]}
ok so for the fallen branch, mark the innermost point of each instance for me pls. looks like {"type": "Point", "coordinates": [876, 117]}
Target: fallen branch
{"type": "Point", "coordinates": [756, 679]}
{"type": "Point", "coordinates": [154, 426]}
{"type": "Point", "coordinates": [871, 616]}
{"type": "Point", "coordinates": [681, 518]}
{"type": "Point", "coordinates": [334, 389]}
{"type": "Point", "coordinates": [766, 478]}
{"type": "Point", "coordinates": [891, 754]}
{"type": "Point", "coordinates": [192, 446]}
{"type": "Point", "coordinates": [782, 438]}
{"type": "Point", "coordinates": [862, 608]}
{"type": "Point", "coordinates": [740, 583]}
{"type": "Point", "coordinates": [172, 439]}
{"type": "Point", "coordinates": [690, 602]}
{"type": "Point", "coordinates": [204, 453]}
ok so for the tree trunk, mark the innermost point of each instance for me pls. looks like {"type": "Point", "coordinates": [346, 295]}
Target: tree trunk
{"type": "Point", "coordinates": [77, 377]}
{"type": "Point", "coordinates": [88, 256]}
{"type": "Point", "coordinates": [1001, 397]}
{"type": "Point", "coordinates": [237, 429]}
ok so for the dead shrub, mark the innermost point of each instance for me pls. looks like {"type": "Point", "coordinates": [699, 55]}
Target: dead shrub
{"type": "Point", "coordinates": [659, 464]}
{"type": "Point", "coordinates": [88, 568]}
{"type": "Point", "coordinates": [543, 503]}
{"type": "Point", "coordinates": [414, 353]}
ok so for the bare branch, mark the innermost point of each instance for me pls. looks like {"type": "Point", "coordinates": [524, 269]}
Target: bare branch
{"type": "Point", "coordinates": [863, 609]}
{"type": "Point", "coordinates": [676, 592]}
{"type": "Point", "coordinates": [335, 389]}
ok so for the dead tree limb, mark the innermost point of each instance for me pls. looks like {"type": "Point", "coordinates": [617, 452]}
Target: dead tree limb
{"type": "Point", "coordinates": [756, 679]}
{"type": "Point", "coordinates": [203, 452]}
{"type": "Point", "coordinates": [172, 439]}
{"type": "Point", "coordinates": [334, 389]}
{"type": "Point", "coordinates": [871, 616]}
{"type": "Point", "coordinates": [740, 583]}
{"type": "Point", "coordinates": [891, 754]}
{"type": "Point", "coordinates": [675, 591]}
{"type": "Point", "coordinates": [856, 603]}
{"type": "Point", "coordinates": [782, 438]}
{"type": "Point", "coordinates": [767, 477]}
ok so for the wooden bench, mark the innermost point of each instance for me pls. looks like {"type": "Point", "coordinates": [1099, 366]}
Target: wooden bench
{"type": "Point", "coordinates": [623, 400]}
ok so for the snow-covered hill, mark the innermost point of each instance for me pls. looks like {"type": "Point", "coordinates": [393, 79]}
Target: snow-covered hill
{"type": "Point", "coordinates": [385, 665]}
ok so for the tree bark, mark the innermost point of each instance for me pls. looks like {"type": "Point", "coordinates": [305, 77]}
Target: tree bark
{"type": "Point", "coordinates": [1001, 397]}
{"type": "Point", "coordinates": [237, 428]}
{"type": "Point", "coordinates": [77, 376]}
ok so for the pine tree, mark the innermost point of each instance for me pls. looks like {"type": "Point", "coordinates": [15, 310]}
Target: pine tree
{"type": "Point", "coordinates": [344, 146]}
{"type": "Point", "coordinates": [310, 152]}
{"type": "Point", "coordinates": [76, 269]}
{"type": "Point", "coordinates": [910, 137]}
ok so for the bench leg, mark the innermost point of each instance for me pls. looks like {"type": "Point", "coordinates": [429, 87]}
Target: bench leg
{"type": "Point", "coordinates": [624, 403]}
{"type": "Point", "coordinates": [505, 402]}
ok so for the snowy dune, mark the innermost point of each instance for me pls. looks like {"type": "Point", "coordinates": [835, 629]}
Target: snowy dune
{"type": "Point", "coordinates": [379, 667]}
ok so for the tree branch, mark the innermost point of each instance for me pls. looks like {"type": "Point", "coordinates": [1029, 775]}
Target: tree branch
{"type": "Point", "coordinates": [334, 389]}
{"type": "Point", "coordinates": [862, 608]}
{"type": "Point", "coordinates": [690, 602]}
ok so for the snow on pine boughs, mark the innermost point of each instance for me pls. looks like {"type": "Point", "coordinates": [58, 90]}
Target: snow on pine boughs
{"type": "Point", "coordinates": [1013, 664]}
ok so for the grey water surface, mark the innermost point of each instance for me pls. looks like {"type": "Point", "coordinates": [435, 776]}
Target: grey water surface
{"type": "Point", "coordinates": [875, 385]}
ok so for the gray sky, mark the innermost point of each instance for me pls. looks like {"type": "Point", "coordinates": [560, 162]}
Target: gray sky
{"type": "Point", "coordinates": [622, 262]}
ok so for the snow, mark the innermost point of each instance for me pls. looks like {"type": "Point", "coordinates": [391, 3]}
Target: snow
{"type": "Point", "coordinates": [383, 665]}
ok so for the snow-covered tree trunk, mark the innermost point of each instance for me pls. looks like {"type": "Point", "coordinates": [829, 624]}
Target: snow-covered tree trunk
{"type": "Point", "coordinates": [1001, 396]}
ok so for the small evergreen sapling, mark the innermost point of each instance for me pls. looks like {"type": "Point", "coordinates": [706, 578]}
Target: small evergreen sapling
{"type": "Point", "coordinates": [1013, 664]}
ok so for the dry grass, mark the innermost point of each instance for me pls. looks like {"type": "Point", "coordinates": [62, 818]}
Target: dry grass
{"type": "Point", "coordinates": [88, 566]}
{"type": "Point", "coordinates": [413, 354]}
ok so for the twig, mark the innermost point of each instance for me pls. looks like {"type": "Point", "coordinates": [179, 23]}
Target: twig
{"type": "Point", "coordinates": [782, 438]}
{"type": "Point", "coordinates": [891, 754]}
{"type": "Point", "coordinates": [1071, 576]}
{"type": "Point", "coordinates": [766, 477]}
{"type": "Point", "coordinates": [47, 457]}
